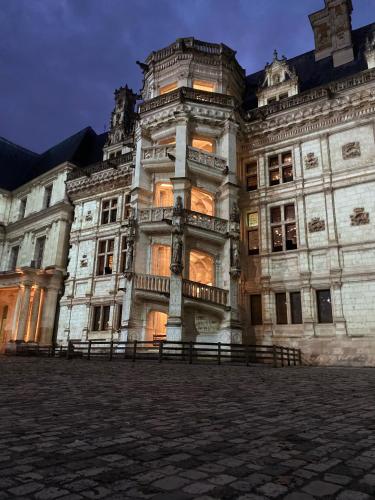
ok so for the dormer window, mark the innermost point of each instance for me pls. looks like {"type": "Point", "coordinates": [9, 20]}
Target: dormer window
{"type": "Point", "coordinates": [165, 89]}
{"type": "Point", "coordinates": [204, 85]}
{"type": "Point", "coordinates": [204, 143]}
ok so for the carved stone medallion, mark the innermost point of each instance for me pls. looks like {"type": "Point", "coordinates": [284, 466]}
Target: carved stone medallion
{"type": "Point", "coordinates": [311, 161]}
{"type": "Point", "coordinates": [359, 217]}
{"type": "Point", "coordinates": [351, 150]}
{"type": "Point", "coordinates": [316, 224]}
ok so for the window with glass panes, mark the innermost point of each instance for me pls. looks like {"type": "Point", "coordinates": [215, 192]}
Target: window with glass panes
{"type": "Point", "coordinates": [324, 306]}
{"type": "Point", "coordinates": [100, 318]}
{"type": "Point", "coordinates": [256, 309]}
{"type": "Point", "coordinates": [251, 175]}
{"type": "Point", "coordinates": [123, 254]}
{"type": "Point", "coordinates": [253, 233]}
{"type": "Point", "coordinates": [105, 257]}
{"type": "Point", "coordinates": [39, 251]}
{"type": "Point", "coordinates": [288, 308]}
{"type": "Point", "coordinates": [280, 168]}
{"type": "Point", "coordinates": [109, 211]}
{"type": "Point", "coordinates": [283, 228]}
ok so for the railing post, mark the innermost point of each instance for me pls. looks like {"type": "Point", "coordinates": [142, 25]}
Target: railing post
{"type": "Point", "coordinates": [294, 357]}
{"type": "Point", "coordinates": [247, 348]}
{"type": "Point", "coordinates": [219, 353]}
{"type": "Point", "coordinates": [274, 353]}
{"type": "Point", "coordinates": [161, 351]}
{"type": "Point", "coordinates": [134, 351]}
{"type": "Point", "coordinates": [68, 351]}
{"type": "Point", "coordinates": [299, 357]}
{"type": "Point", "coordinates": [282, 355]}
{"type": "Point", "coordinates": [190, 353]}
{"type": "Point", "coordinates": [288, 355]}
{"type": "Point", "coordinates": [89, 350]}
{"type": "Point", "coordinates": [111, 351]}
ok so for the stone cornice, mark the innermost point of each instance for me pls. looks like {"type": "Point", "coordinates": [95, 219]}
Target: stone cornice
{"type": "Point", "coordinates": [310, 119]}
{"type": "Point", "coordinates": [36, 220]}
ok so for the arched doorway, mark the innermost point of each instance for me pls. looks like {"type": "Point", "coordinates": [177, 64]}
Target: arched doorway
{"type": "Point", "coordinates": [156, 326]}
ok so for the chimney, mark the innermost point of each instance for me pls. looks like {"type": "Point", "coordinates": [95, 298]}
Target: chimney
{"type": "Point", "coordinates": [332, 28]}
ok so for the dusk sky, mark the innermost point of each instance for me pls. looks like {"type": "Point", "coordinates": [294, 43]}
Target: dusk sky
{"type": "Point", "coordinates": [60, 60]}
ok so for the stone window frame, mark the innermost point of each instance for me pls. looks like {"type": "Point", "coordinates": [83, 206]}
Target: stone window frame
{"type": "Point", "coordinates": [319, 320]}
{"type": "Point", "coordinates": [103, 309]}
{"type": "Point", "coordinates": [253, 306]}
{"type": "Point", "coordinates": [105, 255]}
{"type": "Point", "coordinates": [251, 172]}
{"type": "Point", "coordinates": [252, 229]}
{"type": "Point", "coordinates": [22, 208]}
{"type": "Point", "coordinates": [13, 256]}
{"type": "Point", "coordinates": [39, 251]}
{"type": "Point", "coordinates": [280, 166]}
{"type": "Point", "coordinates": [292, 317]}
{"type": "Point", "coordinates": [123, 251]}
{"type": "Point", "coordinates": [283, 223]}
{"type": "Point", "coordinates": [110, 211]}
{"type": "Point", "coordinates": [127, 206]}
{"type": "Point", "coordinates": [47, 197]}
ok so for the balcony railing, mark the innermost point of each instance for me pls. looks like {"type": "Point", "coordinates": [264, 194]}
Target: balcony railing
{"type": "Point", "coordinates": [152, 283]}
{"type": "Point", "coordinates": [206, 221]}
{"type": "Point", "coordinates": [187, 93]}
{"type": "Point", "coordinates": [205, 292]}
{"type": "Point", "coordinates": [158, 152]}
{"type": "Point", "coordinates": [156, 214]}
{"type": "Point", "coordinates": [208, 159]}
{"type": "Point", "coordinates": [98, 167]}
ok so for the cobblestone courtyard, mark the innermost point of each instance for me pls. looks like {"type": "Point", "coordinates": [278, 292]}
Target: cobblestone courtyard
{"type": "Point", "coordinates": [79, 429]}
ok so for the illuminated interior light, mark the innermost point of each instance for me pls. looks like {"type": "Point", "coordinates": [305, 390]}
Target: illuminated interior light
{"type": "Point", "coordinates": [201, 268]}
{"type": "Point", "coordinates": [203, 144]}
{"type": "Point", "coordinates": [167, 88]}
{"type": "Point", "coordinates": [202, 202]}
{"type": "Point", "coordinates": [160, 260]}
{"type": "Point", "coordinates": [203, 85]}
{"type": "Point", "coordinates": [163, 195]}
{"type": "Point", "coordinates": [156, 325]}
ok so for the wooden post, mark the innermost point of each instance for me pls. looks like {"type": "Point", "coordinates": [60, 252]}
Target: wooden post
{"type": "Point", "coordinates": [134, 351]}
{"type": "Point", "coordinates": [160, 351]}
{"type": "Point", "coordinates": [247, 350]}
{"type": "Point", "coordinates": [60, 355]}
{"type": "Point", "coordinates": [299, 357]}
{"type": "Point", "coordinates": [288, 355]}
{"type": "Point", "coordinates": [190, 353]}
{"type": "Point", "coordinates": [89, 350]}
{"type": "Point", "coordinates": [68, 349]}
{"type": "Point", "coordinates": [274, 352]}
{"type": "Point", "coordinates": [125, 347]}
{"type": "Point", "coordinates": [219, 353]}
{"type": "Point", "coordinates": [294, 357]}
{"type": "Point", "coordinates": [282, 355]}
{"type": "Point", "coordinates": [111, 351]}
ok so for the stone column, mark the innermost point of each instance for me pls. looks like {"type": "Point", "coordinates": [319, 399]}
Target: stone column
{"type": "Point", "coordinates": [24, 313]}
{"type": "Point", "coordinates": [337, 309]}
{"type": "Point", "coordinates": [48, 316]}
{"type": "Point", "coordinates": [34, 315]}
{"type": "Point", "coordinates": [16, 313]}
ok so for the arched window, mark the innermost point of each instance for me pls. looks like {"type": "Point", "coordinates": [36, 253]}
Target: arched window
{"type": "Point", "coordinates": [201, 268]}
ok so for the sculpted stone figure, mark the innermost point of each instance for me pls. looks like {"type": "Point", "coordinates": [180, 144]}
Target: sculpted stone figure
{"type": "Point", "coordinates": [129, 256]}
{"type": "Point", "coordinates": [235, 213]}
{"type": "Point", "coordinates": [178, 207]}
{"type": "Point", "coordinates": [177, 247]}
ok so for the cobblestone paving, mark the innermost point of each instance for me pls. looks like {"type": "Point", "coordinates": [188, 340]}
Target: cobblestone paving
{"type": "Point", "coordinates": [79, 429]}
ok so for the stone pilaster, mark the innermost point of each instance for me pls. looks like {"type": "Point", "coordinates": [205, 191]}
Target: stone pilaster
{"type": "Point", "coordinates": [24, 313]}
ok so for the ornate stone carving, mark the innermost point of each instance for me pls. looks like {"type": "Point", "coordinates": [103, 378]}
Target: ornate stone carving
{"type": "Point", "coordinates": [129, 258]}
{"type": "Point", "coordinates": [88, 216]}
{"type": "Point", "coordinates": [84, 261]}
{"type": "Point", "coordinates": [206, 324]}
{"type": "Point", "coordinates": [123, 116]}
{"type": "Point", "coordinates": [311, 161]}
{"type": "Point", "coordinates": [178, 208]}
{"type": "Point", "coordinates": [235, 269]}
{"type": "Point", "coordinates": [351, 150]}
{"type": "Point", "coordinates": [359, 217]}
{"type": "Point", "coordinates": [235, 213]}
{"type": "Point", "coordinates": [316, 225]}
{"type": "Point", "coordinates": [177, 249]}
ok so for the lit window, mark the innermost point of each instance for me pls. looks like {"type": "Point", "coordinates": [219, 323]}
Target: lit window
{"type": "Point", "coordinates": [253, 233]}
{"type": "Point", "coordinates": [324, 304]}
{"type": "Point", "coordinates": [280, 168]}
{"type": "Point", "coordinates": [109, 211]}
{"type": "Point", "coordinates": [201, 268]}
{"type": "Point", "coordinates": [168, 88]}
{"type": "Point", "coordinates": [202, 85]}
{"type": "Point", "coordinates": [283, 228]}
{"type": "Point", "coordinates": [202, 202]}
{"type": "Point", "coordinates": [160, 260]}
{"type": "Point", "coordinates": [204, 144]}
{"type": "Point", "coordinates": [163, 196]}
{"type": "Point", "coordinates": [156, 326]}
{"type": "Point", "coordinates": [105, 257]}
{"type": "Point", "coordinates": [251, 174]}
{"type": "Point", "coordinates": [100, 318]}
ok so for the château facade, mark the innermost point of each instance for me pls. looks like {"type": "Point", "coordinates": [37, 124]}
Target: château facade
{"type": "Point", "coordinates": [224, 207]}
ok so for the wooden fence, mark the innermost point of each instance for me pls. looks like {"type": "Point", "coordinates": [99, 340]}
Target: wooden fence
{"type": "Point", "coordinates": [160, 351]}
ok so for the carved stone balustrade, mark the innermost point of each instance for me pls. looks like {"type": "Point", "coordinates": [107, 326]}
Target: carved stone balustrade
{"type": "Point", "coordinates": [206, 222]}
{"type": "Point", "coordinates": [152, 283]}
{"type": "Point", "coordinates": [188, 94]}
{"type": "Point", "coordinates": [155, 214]}
{"type": "Point", "coordinates": [100, 166]}
{"type": "Point", "coordinates": [208, 159]}
{"type": "Point", "coordinates": [205, 293]}
{"type": "Point", "coordinates": [158, 153]}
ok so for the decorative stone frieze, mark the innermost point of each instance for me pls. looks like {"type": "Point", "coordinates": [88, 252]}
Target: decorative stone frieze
{"type": "Point", "coordinates": [316, 225]}
{"type": "Point", "coordinates": [84, 261]}
{"type": "Point", "coordinates": [359, 217]}
{"type": "Point", "coordinates": [311, 161]}
{"type": "Point", "coordinates": [351, 150]}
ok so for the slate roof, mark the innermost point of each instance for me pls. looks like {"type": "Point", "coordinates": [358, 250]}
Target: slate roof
{"type": "Point", "coordinates": [19, 165]}
{"type": "Point", "coordinates": [313, 74]}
